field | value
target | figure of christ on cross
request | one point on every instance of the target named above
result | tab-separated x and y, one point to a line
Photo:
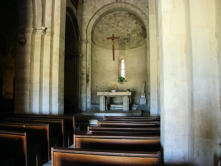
113	38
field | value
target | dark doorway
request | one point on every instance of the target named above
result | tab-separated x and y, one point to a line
8	38
71	64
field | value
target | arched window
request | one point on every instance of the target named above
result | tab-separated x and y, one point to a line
122	72
122	68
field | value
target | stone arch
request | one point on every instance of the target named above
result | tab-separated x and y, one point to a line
144	17
71	63
73	19
121	5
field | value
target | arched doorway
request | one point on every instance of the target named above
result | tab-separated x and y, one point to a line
71	64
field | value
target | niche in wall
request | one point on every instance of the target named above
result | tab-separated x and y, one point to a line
131	46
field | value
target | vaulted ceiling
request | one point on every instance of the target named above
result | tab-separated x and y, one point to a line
123	24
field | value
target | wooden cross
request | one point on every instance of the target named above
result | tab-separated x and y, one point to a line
113	38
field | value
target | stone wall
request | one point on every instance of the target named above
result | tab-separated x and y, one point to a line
105	71
206	81
190	81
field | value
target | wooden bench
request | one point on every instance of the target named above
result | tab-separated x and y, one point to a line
41	136
15	148
56	127
68	124
127	131
128	124
140	119
131	118
127	143
64	157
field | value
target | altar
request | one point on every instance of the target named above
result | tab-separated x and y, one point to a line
104	95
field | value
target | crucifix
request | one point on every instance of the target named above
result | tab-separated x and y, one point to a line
113	38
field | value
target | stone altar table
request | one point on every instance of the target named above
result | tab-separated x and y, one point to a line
103	101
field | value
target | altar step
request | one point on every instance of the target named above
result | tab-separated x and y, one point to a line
116	107
98	113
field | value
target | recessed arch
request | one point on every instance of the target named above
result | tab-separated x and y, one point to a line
86	99
71	63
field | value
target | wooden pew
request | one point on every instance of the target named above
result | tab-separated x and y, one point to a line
127	143
64	157
113	118
56	127
15	148
68	124
128	124
124	131
141	119
42	136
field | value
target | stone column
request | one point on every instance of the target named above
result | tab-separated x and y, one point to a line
46	57
126	103
206	84
153	64
23	57
102	103
40	57
35	71
175	81
57	59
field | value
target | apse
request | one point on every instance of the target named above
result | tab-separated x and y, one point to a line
119	45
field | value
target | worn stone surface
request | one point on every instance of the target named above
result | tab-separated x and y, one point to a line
190	81
105	71
123	24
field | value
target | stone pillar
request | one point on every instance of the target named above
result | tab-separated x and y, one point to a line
206	77
126	103
40	57
153	64
23	56
57	59
46	57
175	82
102	103
35	71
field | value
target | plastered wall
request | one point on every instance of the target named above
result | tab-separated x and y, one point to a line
190	81
105	71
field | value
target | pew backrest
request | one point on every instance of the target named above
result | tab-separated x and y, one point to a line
113	118
65	156
106	142
14	147
67	123
123	130
128	124
56	131
39	136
